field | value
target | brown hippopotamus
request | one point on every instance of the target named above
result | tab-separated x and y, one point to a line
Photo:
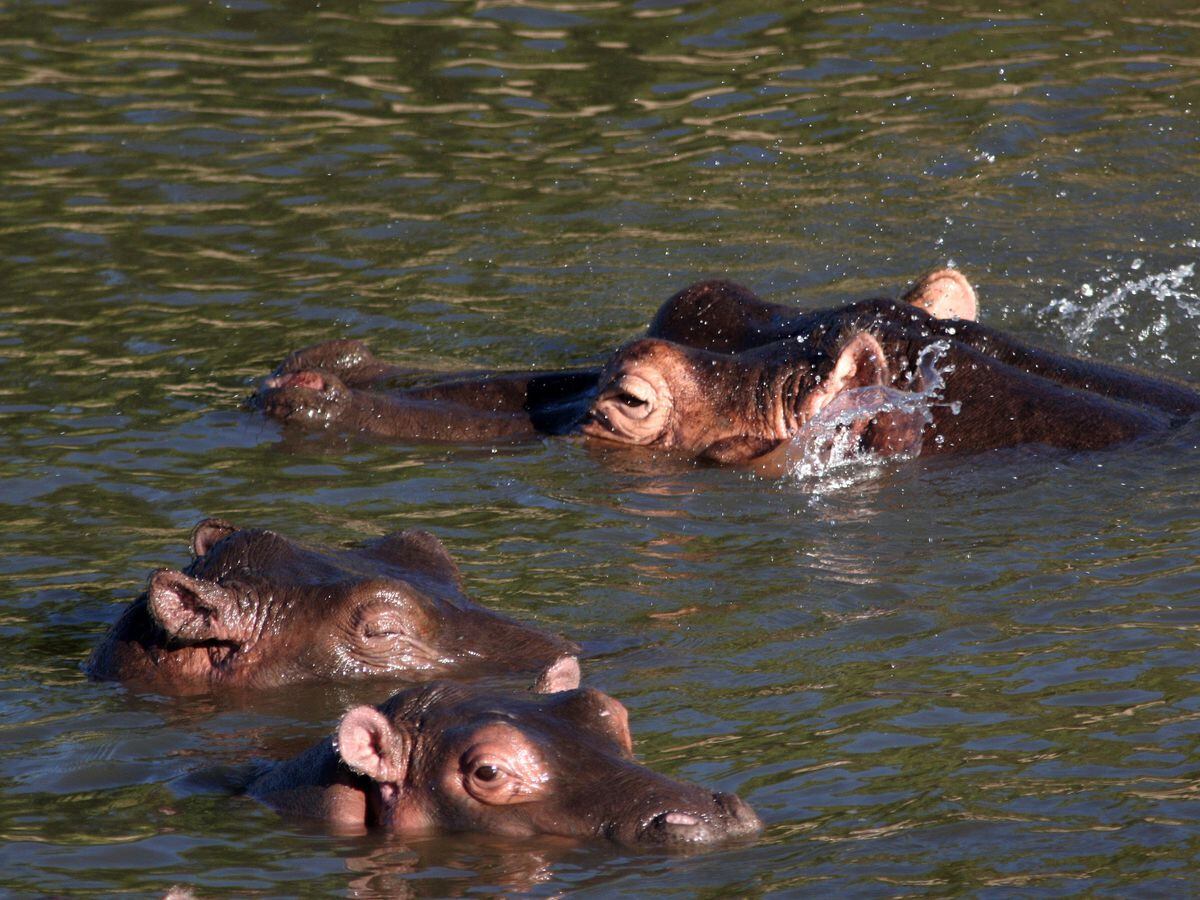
446	756
254	609
342	385
1046	397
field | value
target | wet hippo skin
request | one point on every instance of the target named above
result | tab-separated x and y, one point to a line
254	609
739	408
341	384
452	757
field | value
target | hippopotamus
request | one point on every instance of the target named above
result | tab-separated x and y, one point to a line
866	361
255	609
451	757
342	385
711	340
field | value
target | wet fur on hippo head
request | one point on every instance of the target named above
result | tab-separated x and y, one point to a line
453	757
256	609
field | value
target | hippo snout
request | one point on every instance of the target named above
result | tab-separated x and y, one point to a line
308	394
728	817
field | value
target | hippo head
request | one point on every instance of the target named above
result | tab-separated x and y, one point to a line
254	608
312	397
725	408
452	757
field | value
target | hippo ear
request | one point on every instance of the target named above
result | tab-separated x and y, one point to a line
599	713
207	533
945	294
369	744
561	675
860	363
190	609
417	551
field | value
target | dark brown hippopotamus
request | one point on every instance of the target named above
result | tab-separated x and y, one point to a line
451	757
866	361
254	609
722	338
341	385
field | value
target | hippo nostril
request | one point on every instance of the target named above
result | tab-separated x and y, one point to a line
678	818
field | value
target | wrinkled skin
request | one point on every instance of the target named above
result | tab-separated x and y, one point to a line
451	757
743	408
340	384
254	609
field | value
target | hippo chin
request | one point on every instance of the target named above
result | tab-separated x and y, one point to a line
255	609
451	757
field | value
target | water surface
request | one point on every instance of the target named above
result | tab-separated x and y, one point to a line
955	676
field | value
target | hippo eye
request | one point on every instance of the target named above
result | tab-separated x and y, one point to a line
631	400
487	773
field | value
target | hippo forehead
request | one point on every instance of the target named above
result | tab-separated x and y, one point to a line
266	557
455	711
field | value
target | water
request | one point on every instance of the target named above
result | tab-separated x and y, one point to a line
953	676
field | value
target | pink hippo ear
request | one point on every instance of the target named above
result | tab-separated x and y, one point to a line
189	609
945	294
599	713
560	675
207	533
369	744
861	363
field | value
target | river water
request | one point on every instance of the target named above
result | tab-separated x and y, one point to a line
972	675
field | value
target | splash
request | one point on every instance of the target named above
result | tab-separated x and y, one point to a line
827	452
1173	289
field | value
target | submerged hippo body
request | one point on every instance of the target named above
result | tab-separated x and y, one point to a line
255	609
451	757
1042	396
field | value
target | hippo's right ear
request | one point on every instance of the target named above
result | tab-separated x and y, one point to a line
945	294
560	675
418	551
207	533
369	744
860	363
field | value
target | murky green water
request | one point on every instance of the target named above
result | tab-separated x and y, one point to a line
974	676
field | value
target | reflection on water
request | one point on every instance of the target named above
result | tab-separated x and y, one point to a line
945	676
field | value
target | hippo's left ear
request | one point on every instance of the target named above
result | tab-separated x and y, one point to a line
207	533
560	675
418	551
369	744
945	294
861	363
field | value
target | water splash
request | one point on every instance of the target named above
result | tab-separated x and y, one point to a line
827	453
1173	289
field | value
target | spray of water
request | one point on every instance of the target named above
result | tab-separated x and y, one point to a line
827	452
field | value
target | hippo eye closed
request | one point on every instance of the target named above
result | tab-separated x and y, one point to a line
631	400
